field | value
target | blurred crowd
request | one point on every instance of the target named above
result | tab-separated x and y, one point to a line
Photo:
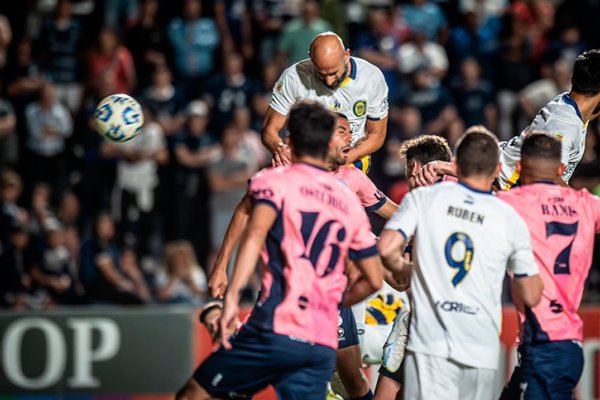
84	220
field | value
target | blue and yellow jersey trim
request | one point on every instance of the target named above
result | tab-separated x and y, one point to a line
364	164
383	309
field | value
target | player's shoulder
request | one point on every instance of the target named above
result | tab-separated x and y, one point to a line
300	70
267	174
364	66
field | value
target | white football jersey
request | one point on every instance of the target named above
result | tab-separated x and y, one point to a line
363	94
465	240
561	118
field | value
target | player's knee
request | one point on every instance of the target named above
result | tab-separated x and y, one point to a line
192	391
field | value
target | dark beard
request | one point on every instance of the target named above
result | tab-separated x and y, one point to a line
339	81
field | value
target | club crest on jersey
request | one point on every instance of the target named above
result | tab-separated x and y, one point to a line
278	87
359	109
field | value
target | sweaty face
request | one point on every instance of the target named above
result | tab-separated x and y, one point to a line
332	76
340	142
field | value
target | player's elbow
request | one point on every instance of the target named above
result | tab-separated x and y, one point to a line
531	289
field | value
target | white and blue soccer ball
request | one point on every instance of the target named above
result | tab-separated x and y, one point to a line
119	117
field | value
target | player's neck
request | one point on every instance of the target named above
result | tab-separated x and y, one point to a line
483	184
586	104
314	161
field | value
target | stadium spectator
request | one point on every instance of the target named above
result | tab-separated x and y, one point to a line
228	179
9	146
56	271
131	269
16	262
537	94
49	124
182	280
227	91
194	39
420	52
297	34
165	101
475	97
147	41
250	148
234	20
6	37
100	266
61	41
11	188
194	150
427	16
379	46
111	56
137	180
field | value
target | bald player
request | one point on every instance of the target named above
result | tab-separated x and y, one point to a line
344	84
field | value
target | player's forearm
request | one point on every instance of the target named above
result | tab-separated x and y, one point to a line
245	263
369	282
373	140
359	291
238	223
388	209
270	138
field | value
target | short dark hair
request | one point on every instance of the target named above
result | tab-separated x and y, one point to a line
310	126
541	145
425	148
341	115
477	153
586	73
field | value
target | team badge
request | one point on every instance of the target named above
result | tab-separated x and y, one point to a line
360	107
278	87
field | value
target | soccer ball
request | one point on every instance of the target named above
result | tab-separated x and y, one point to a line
119	117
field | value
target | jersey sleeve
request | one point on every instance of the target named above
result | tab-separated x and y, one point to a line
371	198
285	92
265	189
363	244
567	133
594	204
404	219
521	261
377	105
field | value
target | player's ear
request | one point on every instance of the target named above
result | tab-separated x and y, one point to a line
519	167
498	169
561	169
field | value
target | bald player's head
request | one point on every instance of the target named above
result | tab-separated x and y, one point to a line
330	59
540	158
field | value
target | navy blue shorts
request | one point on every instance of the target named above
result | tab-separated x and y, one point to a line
298	370
347	331
546	371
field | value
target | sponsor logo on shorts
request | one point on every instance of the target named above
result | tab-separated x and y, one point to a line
217	379
455	306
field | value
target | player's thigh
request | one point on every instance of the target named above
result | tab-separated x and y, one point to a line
477	383
539	376
430	378
347	330
192	391
387	388
245	369
309	380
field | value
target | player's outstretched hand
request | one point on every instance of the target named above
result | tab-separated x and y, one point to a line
428	174
217	282
282	156
228	323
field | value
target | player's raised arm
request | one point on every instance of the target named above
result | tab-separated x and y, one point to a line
527	285
274	122
261	220
217	281
376	131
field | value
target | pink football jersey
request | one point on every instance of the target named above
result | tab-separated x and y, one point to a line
319	222
371	198
562	223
